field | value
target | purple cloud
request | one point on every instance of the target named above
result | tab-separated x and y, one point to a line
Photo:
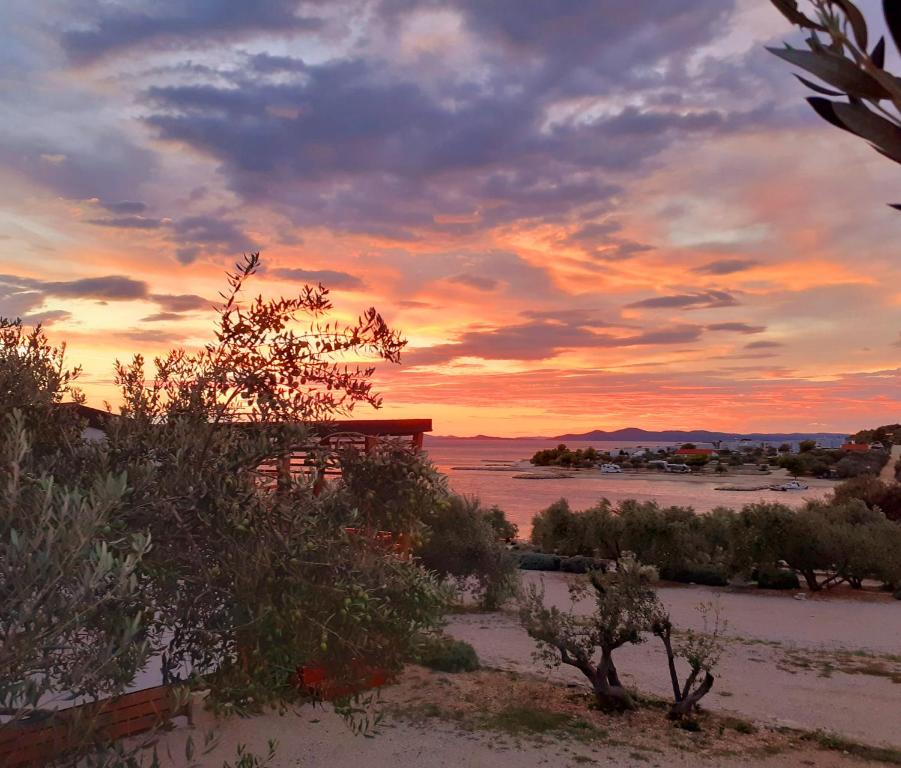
725	266
700	300
330	278
737	327
475	281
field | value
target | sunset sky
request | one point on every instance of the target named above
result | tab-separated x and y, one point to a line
590	214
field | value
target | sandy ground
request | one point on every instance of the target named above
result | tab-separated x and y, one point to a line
451	721
888	471
812	664
815	664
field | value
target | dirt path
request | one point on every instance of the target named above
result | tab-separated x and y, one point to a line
888	471
812	664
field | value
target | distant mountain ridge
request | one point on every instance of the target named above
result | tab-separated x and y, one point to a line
695	435
634	434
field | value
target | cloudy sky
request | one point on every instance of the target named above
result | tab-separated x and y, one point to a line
587	214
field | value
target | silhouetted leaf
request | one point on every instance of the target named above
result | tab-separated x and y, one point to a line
881	133
856	20
892	10
835	70
878	54
789	9
824	108
819	88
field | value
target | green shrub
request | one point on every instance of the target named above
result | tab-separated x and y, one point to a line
709	575
777	578
445	654
582	564
538	561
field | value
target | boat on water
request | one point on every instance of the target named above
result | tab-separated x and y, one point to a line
611	469
791	485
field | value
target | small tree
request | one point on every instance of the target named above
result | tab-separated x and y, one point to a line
699	650
625	609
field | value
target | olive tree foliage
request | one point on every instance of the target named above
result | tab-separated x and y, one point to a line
73	616
461	543
394	488
826	543
625	609
855	93
250	578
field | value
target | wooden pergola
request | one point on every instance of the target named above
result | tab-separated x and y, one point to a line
364	435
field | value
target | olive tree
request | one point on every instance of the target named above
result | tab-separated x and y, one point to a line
74	614
250	578
625	609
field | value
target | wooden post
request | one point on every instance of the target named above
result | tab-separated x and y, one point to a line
284	472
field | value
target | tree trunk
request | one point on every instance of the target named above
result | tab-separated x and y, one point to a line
609	692
811	578
686	707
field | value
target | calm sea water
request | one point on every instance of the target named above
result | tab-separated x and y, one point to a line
521	499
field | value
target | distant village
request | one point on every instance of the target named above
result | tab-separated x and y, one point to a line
838	458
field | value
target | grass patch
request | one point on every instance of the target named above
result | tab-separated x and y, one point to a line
738	725
528	720
833	743
854	663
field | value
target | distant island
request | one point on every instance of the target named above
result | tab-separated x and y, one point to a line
634	434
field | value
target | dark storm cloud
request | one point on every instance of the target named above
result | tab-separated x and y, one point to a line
167	23
701	300
478	282
725	266
328	277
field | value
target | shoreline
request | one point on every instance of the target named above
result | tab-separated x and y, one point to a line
739	481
